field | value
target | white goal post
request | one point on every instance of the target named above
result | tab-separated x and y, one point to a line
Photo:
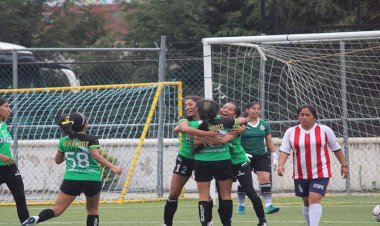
339	73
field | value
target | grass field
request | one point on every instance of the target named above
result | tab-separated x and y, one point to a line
337	211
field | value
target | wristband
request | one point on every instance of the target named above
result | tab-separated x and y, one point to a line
343	166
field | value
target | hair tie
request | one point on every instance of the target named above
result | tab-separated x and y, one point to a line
67	121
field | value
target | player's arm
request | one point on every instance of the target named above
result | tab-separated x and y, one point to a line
59	157
104	162
339	154
225	139
185	128
281	163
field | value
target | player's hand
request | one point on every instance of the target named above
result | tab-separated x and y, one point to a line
274	160
237	131
281	170
117	169
7	160
344	171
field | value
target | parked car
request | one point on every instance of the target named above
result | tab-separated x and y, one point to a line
32	74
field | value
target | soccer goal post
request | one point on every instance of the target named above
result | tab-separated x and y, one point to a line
339	73
133	122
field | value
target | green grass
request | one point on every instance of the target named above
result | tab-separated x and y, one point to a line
337	211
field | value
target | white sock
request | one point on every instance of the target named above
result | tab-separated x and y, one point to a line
315	213
241	198
306	215
267	199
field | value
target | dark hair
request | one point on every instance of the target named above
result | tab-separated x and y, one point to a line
72	123
207	110
311	109
193	98
3	101
248	106
252	103
237	109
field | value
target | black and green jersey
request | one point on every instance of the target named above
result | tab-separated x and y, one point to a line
187	143
253	138
5	142
79	163
218	152
237	152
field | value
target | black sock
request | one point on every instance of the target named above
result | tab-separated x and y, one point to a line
45	214
225	212
204	212
92	220
169	211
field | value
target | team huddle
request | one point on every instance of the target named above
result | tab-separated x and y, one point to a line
217	143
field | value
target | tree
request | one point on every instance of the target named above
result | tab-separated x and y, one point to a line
20	20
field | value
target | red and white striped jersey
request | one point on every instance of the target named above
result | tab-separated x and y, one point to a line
311	157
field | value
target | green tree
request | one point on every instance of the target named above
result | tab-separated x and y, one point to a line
72	25
20	20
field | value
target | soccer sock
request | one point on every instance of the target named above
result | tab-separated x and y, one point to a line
92	220
169	211
240	196
225	212
204	212
211	205
306	215
315	213
266	191
45	214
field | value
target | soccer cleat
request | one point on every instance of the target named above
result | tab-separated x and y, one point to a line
271	209
211	223
30	221
241	210
263	224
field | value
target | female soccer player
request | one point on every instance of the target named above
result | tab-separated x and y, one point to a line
185	160
252	140
214	162
240	164
309	142
81	152
9	173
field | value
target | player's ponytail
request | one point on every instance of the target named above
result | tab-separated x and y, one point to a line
207	110
66	125
71	124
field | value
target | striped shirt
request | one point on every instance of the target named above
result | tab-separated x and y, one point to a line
311	157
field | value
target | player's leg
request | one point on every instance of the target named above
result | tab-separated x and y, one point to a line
15	184
223	174
203	177
301	189
181	174
262	168
92	190
244	176
317	189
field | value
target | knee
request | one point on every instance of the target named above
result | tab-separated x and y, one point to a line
174	194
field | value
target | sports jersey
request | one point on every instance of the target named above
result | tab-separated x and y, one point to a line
187	144
79	163
5	142
217	152
252	139
237	152
311	157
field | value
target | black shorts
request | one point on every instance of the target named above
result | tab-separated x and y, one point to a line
207	170
261	163
184	166
9	173
76	187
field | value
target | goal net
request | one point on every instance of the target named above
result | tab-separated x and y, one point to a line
133	122
339	73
